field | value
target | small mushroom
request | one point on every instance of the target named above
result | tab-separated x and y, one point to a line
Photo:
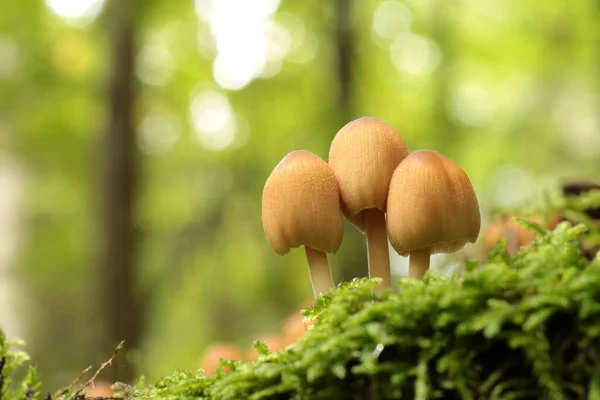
516	234
301	207
273	342
296	325
432	208
101	389
364	155
210	361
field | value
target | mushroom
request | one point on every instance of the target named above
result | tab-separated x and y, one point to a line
101	389
364	155
296	325
301	207
432	208
273	342
210	361
516	234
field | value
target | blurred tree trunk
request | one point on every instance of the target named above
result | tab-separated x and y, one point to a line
344	48
352	263
117	267
442	32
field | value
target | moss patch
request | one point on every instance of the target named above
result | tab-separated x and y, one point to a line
521	327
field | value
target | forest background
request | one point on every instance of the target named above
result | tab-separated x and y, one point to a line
136	136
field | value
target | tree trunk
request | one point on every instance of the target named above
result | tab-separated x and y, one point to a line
117	268
351	262
344	47
442	31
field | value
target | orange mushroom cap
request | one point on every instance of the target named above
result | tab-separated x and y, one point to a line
364	155
431	204
301	205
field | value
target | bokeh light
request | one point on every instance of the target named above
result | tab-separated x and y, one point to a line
77	12
9	56
472	105
213	119
155	62
72	55
512	187
414	54
158	134
246	39
390	19
304	43
577	119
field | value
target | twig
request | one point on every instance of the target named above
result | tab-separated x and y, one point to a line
104	365
67	388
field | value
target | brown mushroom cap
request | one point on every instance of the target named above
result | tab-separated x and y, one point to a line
301	205
431	204
364	155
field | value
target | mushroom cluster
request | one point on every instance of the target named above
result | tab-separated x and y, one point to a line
422	202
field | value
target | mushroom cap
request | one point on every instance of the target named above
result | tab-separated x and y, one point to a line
301	205
364	155
431	204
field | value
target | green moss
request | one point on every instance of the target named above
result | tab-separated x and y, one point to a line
521	327
11	358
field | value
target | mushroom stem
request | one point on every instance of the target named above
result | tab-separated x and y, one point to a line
320	273
377	247
418	264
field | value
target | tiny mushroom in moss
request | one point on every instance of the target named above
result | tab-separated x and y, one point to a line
516	234
101	389
296	325
364	155
210	361
301	207
274	343
432	208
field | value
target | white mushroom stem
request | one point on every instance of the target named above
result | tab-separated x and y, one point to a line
377	247
418	264
320	273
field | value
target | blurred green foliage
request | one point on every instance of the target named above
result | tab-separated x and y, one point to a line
507	89
11	359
